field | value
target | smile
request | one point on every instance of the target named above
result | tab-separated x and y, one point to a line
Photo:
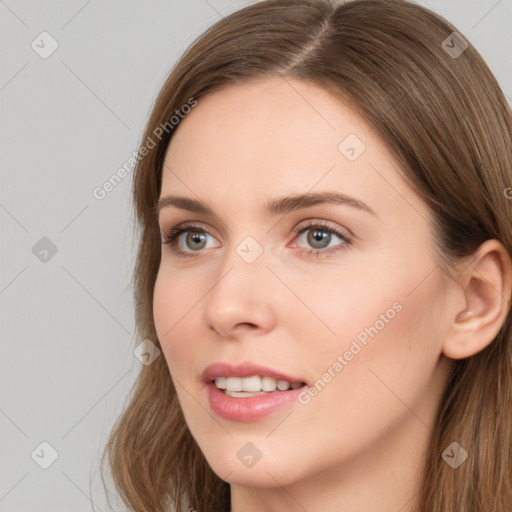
253	386
248	392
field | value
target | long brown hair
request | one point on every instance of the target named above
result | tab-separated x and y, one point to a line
447	122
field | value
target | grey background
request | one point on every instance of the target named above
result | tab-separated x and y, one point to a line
68	123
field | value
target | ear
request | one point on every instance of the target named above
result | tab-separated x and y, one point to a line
483	302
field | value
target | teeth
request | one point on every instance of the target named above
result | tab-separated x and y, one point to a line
251	383
254	385
234	384
243	394
282	385
221	382
268	384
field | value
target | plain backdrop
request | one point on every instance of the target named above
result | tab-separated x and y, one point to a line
69	120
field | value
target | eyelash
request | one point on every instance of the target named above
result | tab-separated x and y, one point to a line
172	237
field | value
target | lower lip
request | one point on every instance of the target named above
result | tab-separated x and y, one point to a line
249	408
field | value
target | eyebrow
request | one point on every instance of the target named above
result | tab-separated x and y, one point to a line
277	206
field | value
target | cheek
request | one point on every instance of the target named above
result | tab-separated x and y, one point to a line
376	314
173	308
387	355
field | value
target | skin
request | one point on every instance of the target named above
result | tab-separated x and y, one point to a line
361	441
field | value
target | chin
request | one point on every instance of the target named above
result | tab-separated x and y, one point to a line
250	463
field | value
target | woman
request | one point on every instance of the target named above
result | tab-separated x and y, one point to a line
325	265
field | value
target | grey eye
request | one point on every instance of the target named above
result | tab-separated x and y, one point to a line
317	238
195	240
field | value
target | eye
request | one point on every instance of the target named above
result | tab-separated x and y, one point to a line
195	240
319	235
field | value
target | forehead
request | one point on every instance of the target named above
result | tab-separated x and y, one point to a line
274	113
275	125
272	137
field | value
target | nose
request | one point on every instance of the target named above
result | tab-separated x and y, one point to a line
240	300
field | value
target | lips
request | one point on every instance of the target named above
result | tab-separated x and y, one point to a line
247	407
245	370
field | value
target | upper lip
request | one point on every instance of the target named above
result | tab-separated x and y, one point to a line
247	369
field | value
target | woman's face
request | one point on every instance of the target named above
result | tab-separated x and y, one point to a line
341	299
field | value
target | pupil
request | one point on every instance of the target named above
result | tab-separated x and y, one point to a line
196	238
318	236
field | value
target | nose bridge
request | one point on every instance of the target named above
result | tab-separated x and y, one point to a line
244	263
239	294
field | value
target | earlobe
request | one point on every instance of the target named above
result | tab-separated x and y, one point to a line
487	285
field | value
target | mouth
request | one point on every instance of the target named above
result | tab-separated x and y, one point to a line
248	392
254	385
